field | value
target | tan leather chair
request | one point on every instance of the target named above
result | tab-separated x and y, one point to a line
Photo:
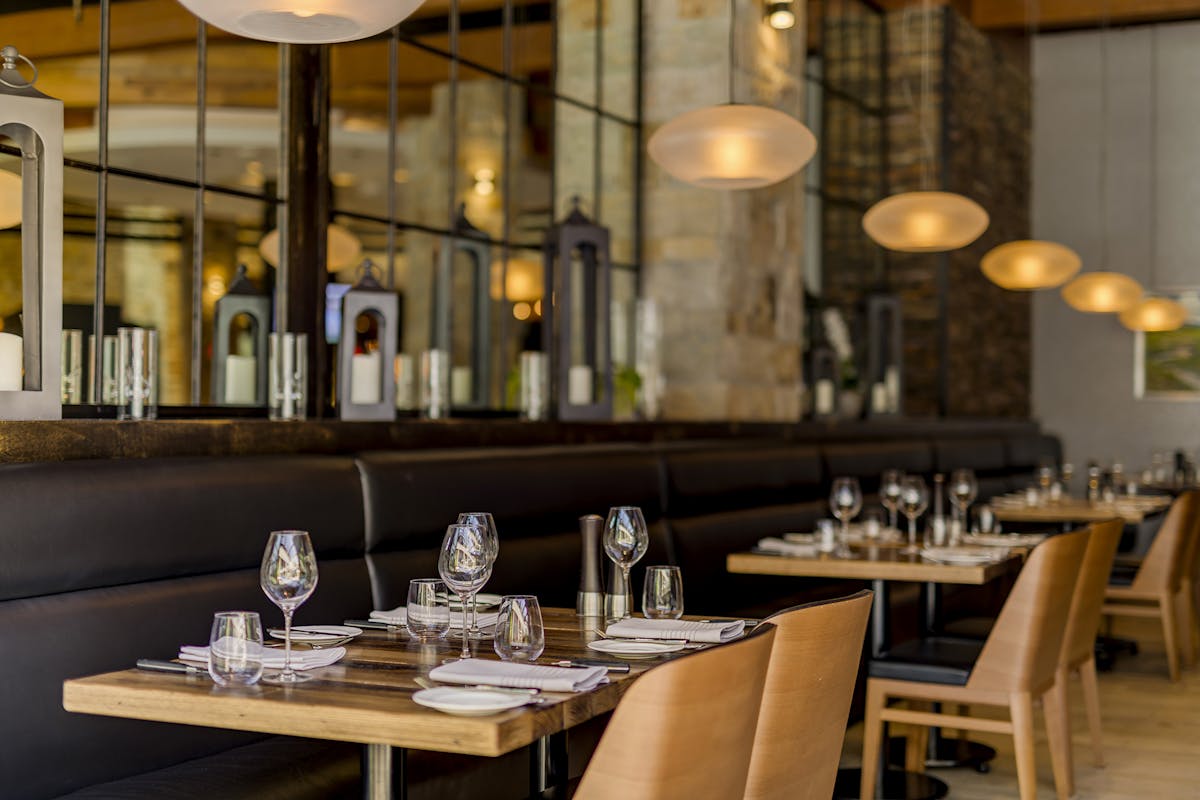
685	729
806	702
1189	595
1015	667
1159	581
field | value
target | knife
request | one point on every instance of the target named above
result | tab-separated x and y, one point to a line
611	666
151	665
370	624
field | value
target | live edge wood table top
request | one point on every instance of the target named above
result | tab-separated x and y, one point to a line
871	564
366	698
1074	509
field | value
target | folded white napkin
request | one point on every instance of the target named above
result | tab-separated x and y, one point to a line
520	676
273	657
397	616
773	545
634	628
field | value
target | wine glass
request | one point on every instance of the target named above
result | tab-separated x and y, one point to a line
845	501
626	539
914	499
1067	471
963	490
890	485
235	648
465	565
484	520
288	577
520	635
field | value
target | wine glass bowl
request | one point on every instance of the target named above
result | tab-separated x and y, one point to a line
845	501
465	564
288	577
626	538
964	488
914	499
484	520
890	485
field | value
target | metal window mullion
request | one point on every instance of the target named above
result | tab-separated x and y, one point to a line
393	121
597	120
283	184
101	205
507	48
198	219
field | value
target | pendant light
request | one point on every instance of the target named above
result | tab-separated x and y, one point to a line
733	145
1103	292
303	21
1029	264
925	221
342	248
1154	313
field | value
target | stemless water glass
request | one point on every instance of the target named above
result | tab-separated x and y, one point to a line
890	484
914	499
662	593
626	538
963	490
519	632
845	501
288	578
235	648
484	520
427	614
465	565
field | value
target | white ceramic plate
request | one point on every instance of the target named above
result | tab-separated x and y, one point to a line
618	647
468	702
317	633
964	555
484	601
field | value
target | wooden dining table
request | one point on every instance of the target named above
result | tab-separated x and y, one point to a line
366	698
1078	510
882	565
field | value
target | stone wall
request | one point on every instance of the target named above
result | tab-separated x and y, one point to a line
726	268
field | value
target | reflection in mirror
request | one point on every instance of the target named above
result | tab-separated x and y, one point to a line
11	284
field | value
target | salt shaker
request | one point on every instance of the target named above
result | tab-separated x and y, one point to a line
589	602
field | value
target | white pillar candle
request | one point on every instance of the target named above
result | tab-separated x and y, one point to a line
880	403
619	321
891	380
461	386
241	380
579	386
366	379
406	382
12	363
823	399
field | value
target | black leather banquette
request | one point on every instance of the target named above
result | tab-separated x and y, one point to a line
103	562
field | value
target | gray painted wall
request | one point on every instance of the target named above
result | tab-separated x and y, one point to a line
1083	364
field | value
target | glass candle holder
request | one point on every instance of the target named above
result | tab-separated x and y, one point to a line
535	386
435	384
137	374
287	379
72	367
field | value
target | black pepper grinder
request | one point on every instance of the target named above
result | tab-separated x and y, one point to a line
590	600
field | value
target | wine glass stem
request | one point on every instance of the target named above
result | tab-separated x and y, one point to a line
466	650
474	613
892	518
912	531
287	645
628	594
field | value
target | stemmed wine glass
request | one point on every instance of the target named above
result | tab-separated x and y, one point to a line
914	499
890	485
288	577
963	490
845	501
626	540
465	564
484	520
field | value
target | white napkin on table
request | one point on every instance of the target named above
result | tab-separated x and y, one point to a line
397	616
784	548
520	676
714	632
273	657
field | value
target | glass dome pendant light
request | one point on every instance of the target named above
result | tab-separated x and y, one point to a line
925	221
1154	314
1030	264
303	21
1104	291
732	145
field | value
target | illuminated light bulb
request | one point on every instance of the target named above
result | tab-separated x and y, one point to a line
925	222
1030	264
522	311
1102	293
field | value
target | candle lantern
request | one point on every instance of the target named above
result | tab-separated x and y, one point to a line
470	374
885	355
31	365
239	363
576	319
370	327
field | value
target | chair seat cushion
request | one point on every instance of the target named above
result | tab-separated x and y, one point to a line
934	659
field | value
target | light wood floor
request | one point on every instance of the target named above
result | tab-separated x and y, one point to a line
1151	730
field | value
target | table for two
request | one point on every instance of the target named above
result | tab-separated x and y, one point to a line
367	699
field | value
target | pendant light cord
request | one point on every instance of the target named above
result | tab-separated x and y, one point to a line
732	46
1103	171
1153	204
926	88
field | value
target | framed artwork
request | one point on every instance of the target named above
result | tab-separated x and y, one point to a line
1167	363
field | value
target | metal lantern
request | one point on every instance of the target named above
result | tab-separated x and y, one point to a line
885	355
578	276
31	365
469	382
240	378
367	349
